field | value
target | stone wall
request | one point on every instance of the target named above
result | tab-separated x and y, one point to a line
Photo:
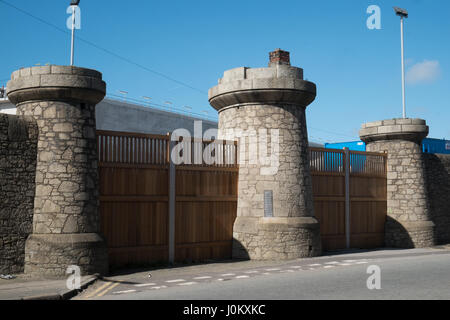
291	184
62	101
264	108
408	209
437	178
409	223
291	180
66	177
18	147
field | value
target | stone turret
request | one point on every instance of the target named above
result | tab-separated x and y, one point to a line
264	108
409	224
62	100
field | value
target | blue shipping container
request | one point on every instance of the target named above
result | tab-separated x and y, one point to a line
353	146
436	146
429	146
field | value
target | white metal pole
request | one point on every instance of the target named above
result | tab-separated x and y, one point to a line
403	69
73	37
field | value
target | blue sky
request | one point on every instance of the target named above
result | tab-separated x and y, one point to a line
357	70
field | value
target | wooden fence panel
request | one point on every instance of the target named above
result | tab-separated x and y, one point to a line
367	220
328	179
206	201
368	199
134	199
134	214
331	215
367	196
204	230
136	232
206	206
133	172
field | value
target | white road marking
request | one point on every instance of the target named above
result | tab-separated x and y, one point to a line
328	267
362	262
251	272
274	269
220	279
345	264
346	261
242	277
145	285
187	284
203	278
175	281
228	275
332	262
296	267
123	292
266	273
157	288
287	271
315	265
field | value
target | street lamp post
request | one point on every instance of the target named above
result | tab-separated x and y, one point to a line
403	14
73	4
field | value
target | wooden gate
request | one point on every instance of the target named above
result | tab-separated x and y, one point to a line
153	211
350	197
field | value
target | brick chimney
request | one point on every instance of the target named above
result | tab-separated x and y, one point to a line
278	57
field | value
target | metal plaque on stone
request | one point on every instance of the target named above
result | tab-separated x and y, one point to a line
268	204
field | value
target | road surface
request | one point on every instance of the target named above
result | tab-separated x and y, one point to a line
404	274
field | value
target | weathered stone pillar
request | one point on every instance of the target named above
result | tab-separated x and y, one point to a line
65	222
408	224
275	215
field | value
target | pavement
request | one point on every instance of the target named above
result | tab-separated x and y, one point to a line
244	280
27	288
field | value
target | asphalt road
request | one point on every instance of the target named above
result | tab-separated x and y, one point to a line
422	275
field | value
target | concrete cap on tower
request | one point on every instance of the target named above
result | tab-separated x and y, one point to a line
280	83
56	83
394	129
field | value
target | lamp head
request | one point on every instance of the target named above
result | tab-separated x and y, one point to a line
401	12
75	2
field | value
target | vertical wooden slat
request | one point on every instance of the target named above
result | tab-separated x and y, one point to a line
167	160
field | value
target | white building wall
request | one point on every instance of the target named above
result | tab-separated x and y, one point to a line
122	116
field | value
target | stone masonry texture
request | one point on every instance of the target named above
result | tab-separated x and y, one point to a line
409	223
66	221
437	181
253	103
18	147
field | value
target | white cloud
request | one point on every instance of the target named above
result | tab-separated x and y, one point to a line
423	72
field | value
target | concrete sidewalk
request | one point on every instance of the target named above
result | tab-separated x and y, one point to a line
26	288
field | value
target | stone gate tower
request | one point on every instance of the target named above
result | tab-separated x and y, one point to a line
264	109
409	224
62	100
